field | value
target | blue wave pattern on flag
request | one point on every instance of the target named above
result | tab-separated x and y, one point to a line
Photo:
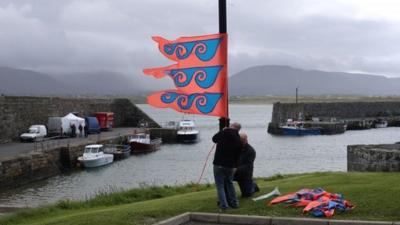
205	77
205	50
204	102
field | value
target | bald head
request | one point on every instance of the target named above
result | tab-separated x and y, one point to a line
243	138
236	126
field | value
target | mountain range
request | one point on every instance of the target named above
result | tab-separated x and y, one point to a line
256	81
283	80
29	82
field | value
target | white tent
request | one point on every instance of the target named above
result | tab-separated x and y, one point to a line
69	120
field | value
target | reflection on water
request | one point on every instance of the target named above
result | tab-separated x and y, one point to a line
182	163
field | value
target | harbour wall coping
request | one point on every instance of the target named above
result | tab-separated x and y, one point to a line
191	218
17	113
373	158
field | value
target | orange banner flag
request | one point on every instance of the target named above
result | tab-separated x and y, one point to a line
200	75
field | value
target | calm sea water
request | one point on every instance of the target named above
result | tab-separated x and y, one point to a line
182	163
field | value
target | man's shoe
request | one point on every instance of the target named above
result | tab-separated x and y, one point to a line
234	206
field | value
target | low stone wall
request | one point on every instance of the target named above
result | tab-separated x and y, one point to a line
17	113
226	219
373	158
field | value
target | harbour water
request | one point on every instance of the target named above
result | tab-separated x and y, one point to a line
182	163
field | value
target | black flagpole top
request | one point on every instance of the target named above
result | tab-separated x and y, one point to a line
222	16
223	122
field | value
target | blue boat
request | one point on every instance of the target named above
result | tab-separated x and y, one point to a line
297	129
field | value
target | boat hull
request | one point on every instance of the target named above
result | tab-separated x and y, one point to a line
187	138
96	162
300	131
140	148
119	151
381	124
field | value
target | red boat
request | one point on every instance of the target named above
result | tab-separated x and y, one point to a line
141	143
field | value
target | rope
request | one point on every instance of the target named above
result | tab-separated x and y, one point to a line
205	164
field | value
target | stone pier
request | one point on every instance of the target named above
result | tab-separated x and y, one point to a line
356	115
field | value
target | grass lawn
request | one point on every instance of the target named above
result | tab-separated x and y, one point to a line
376	196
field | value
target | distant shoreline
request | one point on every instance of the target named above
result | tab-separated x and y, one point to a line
142	99
267	100
322	98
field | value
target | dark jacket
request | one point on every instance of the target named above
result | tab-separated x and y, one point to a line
246	164
228	148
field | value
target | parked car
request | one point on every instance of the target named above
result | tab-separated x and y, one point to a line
34	133
93	126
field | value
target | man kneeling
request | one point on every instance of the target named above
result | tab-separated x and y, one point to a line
244	172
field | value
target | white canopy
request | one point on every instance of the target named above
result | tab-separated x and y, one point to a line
69	120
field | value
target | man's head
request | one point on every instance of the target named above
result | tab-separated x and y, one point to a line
236	126
243	138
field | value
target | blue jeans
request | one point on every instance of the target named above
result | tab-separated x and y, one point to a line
223	177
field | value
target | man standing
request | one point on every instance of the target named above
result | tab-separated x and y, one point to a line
80	128
225	161
244	172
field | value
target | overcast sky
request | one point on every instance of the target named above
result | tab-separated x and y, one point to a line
79	35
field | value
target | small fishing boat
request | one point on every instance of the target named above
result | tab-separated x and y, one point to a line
380	123
94	156
298	128
187	132
119	151
141	143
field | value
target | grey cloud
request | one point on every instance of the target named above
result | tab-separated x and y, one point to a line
64	36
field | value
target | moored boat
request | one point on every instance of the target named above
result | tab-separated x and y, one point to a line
141	143
119	151
187	132
297	128
94	156
380	123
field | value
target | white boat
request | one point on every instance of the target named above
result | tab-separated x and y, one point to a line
187	132
381	123
94	156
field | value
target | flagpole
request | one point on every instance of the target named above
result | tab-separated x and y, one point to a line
224	122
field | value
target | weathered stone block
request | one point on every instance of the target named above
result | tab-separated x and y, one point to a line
244	220
297	221
204	217
177	220
356	222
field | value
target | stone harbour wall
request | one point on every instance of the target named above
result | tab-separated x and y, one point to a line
26	168
373	158
340	110
17	113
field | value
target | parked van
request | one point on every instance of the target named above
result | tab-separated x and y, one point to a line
106	120
34	133
93	126
54	126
